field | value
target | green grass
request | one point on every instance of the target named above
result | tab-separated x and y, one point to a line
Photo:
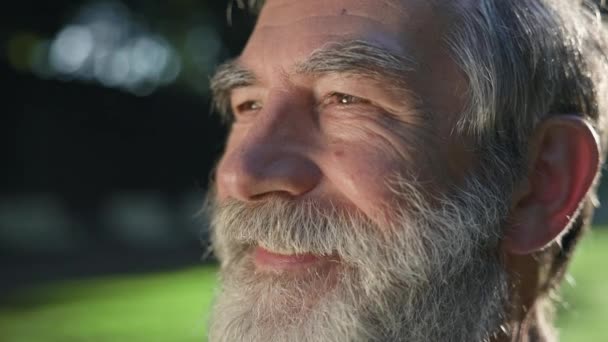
161	307
583	314
174	306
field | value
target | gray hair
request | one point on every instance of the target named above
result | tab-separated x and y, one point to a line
526	60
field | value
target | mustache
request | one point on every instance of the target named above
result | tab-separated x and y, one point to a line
433	253
378	255
422	231
292	227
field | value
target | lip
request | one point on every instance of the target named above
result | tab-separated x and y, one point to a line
266	259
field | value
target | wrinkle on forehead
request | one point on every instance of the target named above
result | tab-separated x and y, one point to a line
308	24
391	13
266	57
416	27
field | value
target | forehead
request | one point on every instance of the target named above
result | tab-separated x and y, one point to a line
289	30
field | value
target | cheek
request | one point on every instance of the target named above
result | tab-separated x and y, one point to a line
365	155
381	134
220	191
379	145
360	174
233	142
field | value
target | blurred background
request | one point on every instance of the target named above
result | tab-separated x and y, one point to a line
108	141
107	133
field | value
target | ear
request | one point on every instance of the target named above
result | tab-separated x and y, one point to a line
563	162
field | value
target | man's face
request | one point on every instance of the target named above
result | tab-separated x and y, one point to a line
337	215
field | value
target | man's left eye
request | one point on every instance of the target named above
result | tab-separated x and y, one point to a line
344	99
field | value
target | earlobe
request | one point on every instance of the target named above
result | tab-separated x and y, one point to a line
563	163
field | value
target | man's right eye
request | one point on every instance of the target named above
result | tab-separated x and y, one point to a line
247	107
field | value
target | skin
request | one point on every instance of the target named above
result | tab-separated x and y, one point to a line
293	137
341	153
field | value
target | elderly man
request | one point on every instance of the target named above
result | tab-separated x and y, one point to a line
406	170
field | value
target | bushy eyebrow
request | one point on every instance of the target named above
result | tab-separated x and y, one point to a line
350	58
358	58
229	76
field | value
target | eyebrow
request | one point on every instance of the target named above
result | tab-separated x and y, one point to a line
351	58
229	76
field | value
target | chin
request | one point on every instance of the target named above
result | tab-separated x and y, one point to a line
343	304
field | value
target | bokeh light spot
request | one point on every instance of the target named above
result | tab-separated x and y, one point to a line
71	49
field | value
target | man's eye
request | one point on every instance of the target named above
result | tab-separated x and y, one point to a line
247	107
344	99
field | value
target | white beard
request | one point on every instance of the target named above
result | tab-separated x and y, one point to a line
434	275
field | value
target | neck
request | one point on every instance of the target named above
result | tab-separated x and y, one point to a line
531	311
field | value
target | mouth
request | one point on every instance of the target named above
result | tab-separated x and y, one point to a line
268	260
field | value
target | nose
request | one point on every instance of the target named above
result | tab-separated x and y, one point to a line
269	157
